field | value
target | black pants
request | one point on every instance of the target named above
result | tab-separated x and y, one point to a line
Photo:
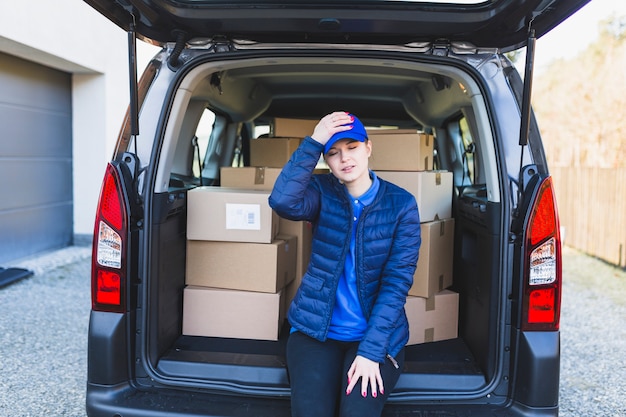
318	376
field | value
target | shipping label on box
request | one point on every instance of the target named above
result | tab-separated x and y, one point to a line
251	178
243	216
433	319
295	128
232	215
272	152
434	266
215	312
401	151
261	267
432	190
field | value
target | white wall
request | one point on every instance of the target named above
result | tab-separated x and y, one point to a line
70	36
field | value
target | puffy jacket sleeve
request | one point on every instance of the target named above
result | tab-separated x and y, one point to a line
295	195
396	280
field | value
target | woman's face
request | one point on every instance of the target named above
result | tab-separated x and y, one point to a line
348	160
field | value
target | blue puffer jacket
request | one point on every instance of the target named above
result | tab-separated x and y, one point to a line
387	247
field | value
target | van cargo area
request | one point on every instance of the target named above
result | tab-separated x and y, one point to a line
465	363
193	272
218	289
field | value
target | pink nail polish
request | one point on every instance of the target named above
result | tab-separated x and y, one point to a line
364	394
374	394
348	391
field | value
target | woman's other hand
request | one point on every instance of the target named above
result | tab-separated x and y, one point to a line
368	372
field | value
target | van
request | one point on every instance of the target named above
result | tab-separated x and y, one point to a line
191	272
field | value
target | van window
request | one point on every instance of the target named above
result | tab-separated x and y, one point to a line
203	134
461	152
467	151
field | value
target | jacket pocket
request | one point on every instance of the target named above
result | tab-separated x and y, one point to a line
314	283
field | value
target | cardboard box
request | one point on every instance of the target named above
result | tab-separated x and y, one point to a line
215	312
290	292
434	266
401	151
252	178
432	190
304	231
272	152
433	319
386	131
294	128
228	214
261	267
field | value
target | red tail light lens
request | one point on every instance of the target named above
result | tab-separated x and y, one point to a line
110	203
542	287
108	272
108	288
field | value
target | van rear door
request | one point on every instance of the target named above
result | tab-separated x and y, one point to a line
501	24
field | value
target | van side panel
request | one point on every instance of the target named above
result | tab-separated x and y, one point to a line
167	270
477	276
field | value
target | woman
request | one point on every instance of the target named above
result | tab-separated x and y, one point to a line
348	322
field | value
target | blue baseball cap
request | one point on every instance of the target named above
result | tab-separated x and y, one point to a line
356	133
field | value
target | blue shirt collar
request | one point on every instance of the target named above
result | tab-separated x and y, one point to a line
367	197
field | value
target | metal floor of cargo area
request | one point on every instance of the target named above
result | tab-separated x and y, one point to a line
432	367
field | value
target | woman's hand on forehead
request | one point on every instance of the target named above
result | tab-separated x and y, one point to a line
330	124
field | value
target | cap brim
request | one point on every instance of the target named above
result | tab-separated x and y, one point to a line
341	136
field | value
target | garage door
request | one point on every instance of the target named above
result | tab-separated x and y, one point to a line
35	159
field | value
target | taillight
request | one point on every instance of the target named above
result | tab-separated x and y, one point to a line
542	286
108	269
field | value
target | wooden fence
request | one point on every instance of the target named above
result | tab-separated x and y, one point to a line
592	210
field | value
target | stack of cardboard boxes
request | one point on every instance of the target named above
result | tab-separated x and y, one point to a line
237	265
244	264
241	257
405	158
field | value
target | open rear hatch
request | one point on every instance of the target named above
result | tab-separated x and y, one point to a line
501	24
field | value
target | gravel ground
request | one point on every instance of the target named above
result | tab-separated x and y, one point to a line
44	321
593	338
43	337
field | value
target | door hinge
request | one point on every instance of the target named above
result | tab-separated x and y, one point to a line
216	44
441	48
